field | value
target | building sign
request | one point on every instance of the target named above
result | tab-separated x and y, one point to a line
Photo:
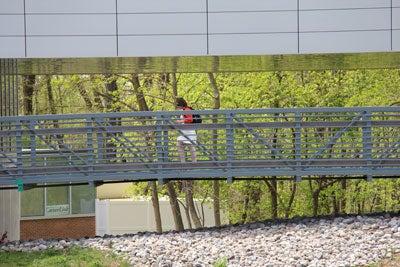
57	210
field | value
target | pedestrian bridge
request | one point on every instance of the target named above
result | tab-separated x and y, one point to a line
291	144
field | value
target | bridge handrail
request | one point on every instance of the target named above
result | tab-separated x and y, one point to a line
289	143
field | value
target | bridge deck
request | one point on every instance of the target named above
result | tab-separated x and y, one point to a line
284	143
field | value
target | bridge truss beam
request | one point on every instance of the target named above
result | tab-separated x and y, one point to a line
304	143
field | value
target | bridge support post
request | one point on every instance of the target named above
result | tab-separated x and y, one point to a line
367	142
20	184
230	146
297	144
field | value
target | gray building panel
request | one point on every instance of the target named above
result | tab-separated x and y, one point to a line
251	5
70	6
160	45
14	25
12	47
170	23
343	4
71	24
345	20
109	28
240	44
157	6
362	41
71	46
252	22
11	6
396	40
396	18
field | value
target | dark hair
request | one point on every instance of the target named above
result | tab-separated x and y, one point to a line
181	102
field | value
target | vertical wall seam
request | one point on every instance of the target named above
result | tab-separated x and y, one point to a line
25	41
207	33
391	25
116	27
298	26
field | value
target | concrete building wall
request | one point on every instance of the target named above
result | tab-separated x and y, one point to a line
10	213
133	28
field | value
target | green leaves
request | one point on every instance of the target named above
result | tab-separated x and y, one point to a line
244	201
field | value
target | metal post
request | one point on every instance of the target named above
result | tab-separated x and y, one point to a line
367	143
297	143
230	146
90	149
18	148
161	147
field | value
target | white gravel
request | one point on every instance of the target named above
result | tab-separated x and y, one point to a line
322	241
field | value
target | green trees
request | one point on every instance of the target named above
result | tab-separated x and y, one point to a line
242	201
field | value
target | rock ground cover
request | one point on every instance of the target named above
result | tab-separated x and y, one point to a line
348	240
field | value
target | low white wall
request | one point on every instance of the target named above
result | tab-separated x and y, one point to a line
125	216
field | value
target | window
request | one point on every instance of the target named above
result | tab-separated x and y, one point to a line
32	202
83	197
58	201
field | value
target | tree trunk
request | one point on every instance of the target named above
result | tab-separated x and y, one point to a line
156	206
173	198
190	203
273	185
216	185
50	96
111	88
321	185
216	203
273	190
343	186
53	110
139	93
315	201
291	200
28	90
187	213
85	96
176	212
154	192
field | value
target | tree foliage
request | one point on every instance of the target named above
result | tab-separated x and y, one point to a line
242	201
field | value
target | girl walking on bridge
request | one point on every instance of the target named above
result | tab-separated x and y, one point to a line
187	137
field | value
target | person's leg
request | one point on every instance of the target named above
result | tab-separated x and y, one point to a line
193	153
181	151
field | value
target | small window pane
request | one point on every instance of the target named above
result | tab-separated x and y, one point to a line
83	197
32	202
57	201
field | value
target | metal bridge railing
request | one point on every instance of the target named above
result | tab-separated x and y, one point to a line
285	143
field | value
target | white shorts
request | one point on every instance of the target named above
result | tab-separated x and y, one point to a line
188	137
